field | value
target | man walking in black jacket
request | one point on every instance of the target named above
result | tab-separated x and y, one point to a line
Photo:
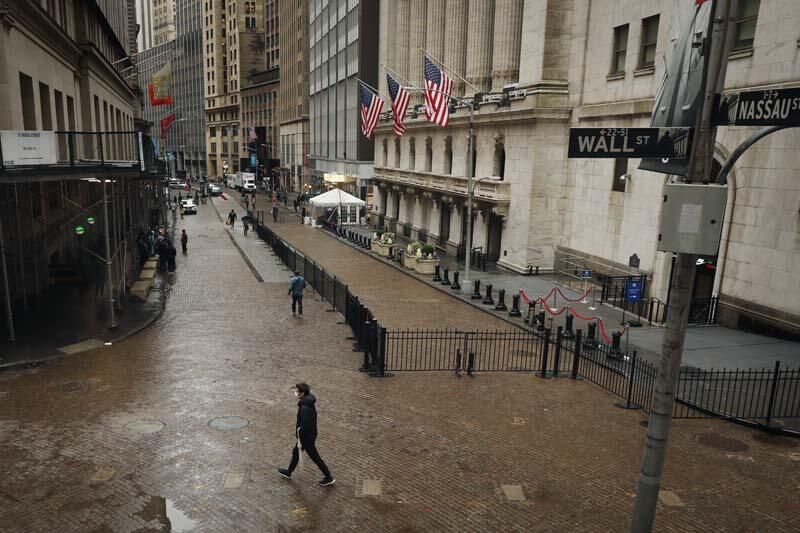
306	434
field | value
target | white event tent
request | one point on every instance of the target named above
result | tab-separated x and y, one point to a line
346	204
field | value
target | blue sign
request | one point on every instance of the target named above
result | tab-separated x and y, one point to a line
586	274
253	161
633	290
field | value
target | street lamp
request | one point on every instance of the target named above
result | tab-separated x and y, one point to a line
470	194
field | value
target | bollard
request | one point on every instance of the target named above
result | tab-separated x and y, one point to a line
458	363
515	306
455	286
616	337
471	365
540	321
446	278
576	354
369	243
436	276
501	301
590	334
488	300
545	349
557	355
568	333
529	316
536	273
476	292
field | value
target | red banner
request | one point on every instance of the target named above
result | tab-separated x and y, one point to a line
166	122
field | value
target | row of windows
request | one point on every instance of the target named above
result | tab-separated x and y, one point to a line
745	29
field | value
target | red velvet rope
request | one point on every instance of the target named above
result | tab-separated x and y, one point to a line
587	293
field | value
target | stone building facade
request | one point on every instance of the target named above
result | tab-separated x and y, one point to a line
543	66
293	93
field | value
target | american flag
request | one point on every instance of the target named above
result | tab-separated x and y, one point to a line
437	105
400	98
371	107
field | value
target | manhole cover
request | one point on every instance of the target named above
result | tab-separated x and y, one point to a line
775	440
721	442
70	386
145	426
228	423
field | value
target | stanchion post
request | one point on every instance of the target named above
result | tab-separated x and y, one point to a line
557	355
545	349
576	354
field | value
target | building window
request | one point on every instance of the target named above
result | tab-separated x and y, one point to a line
397	153
28	105
647	52
619	50
448	156
412	153
428	154
386	152
213	148
620	171
44	101
746	24
499	161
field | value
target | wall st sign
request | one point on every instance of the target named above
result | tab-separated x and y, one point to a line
659	143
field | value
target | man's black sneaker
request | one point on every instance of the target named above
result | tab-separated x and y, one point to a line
327	481
285	473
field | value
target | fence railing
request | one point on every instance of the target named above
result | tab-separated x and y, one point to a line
80	149
369	336
758	395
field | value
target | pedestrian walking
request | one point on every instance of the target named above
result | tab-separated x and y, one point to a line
296	285
275	213
184	241
181	211
306	435
232	218
295	206
171	253
246	226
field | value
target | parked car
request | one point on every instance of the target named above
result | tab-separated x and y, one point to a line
214	189
189	207
174	184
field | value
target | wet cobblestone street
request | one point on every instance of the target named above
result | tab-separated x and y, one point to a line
121	438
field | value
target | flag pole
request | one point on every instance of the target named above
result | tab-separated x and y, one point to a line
451	71
398	76
373	89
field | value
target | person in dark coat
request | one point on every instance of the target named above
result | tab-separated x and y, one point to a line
171	253
184	240
306	435
297	284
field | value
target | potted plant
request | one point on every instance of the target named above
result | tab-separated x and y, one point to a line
386	244
376	238
410	257
426	260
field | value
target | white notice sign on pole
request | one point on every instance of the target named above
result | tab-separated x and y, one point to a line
24	148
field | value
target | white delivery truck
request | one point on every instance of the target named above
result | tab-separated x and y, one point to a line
245	181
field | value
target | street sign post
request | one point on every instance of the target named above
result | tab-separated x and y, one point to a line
770	107
586	274
633	293
661	143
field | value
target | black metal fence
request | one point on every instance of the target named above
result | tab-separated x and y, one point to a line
368	336
756	395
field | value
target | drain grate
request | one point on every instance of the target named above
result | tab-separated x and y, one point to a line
229	423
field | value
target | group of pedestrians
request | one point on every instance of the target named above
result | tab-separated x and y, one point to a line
166	253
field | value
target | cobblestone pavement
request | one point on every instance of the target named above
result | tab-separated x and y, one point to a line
119	439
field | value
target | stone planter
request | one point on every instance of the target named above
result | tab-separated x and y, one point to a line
374	246
384	250
410	261
426	266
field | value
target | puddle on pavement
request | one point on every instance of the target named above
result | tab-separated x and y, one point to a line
165	513
721	442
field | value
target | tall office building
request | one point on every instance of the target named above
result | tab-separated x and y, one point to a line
234	48
185	139
163	21
343	48
144	18
293	94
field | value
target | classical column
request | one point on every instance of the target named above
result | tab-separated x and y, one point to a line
416	40
434	40
403	13
416	220
505	59
480	25
456	221
377	207
433	222
455	40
